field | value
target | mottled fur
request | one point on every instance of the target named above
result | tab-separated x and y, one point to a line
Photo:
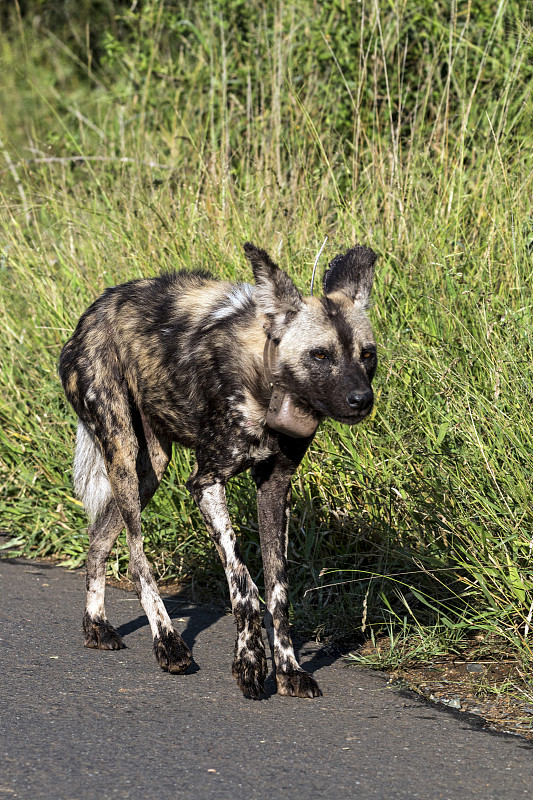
179	358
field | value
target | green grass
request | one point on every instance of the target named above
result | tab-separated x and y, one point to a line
171	140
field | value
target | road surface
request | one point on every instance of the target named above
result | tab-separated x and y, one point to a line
77	723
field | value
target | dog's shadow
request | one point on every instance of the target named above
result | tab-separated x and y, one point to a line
198	618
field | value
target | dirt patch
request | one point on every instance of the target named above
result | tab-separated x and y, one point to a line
495	692
494	686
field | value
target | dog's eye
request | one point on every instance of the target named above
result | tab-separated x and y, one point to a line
319	355
366	354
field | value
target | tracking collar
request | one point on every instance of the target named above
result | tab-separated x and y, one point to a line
284	414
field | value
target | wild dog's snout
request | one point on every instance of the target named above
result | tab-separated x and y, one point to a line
360	401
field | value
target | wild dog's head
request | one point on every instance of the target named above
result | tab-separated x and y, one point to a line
325	349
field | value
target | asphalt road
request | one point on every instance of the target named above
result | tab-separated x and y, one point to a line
79	723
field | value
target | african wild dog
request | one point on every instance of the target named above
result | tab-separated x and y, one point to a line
243	374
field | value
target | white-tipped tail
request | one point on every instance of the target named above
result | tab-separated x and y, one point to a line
90	477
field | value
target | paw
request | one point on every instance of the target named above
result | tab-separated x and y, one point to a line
171	652
99	634
293	683
250	670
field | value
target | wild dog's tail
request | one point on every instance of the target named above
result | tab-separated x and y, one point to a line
91	483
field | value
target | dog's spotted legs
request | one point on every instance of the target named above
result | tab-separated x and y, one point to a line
151	462
273	480
99	633
134	465
249	664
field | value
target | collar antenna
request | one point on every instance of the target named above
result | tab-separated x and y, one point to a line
316	262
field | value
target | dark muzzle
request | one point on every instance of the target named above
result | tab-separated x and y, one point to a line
360	401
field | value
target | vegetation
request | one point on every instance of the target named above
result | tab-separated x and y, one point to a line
148	136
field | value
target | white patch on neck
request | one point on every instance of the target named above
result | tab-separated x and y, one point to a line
233	302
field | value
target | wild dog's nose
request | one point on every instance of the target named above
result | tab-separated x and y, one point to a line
360	401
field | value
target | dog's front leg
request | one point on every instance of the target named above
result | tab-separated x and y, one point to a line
249	663
273	480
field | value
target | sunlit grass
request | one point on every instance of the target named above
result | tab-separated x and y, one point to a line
422	515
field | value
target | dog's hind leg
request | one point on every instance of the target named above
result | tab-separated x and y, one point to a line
135	460
99	633
170	650
249	663
94	488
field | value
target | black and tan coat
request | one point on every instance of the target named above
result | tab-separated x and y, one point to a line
182	358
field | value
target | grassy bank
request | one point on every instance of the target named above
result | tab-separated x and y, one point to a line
135	142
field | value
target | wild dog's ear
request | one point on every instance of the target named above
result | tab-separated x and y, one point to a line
275	294
352	273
